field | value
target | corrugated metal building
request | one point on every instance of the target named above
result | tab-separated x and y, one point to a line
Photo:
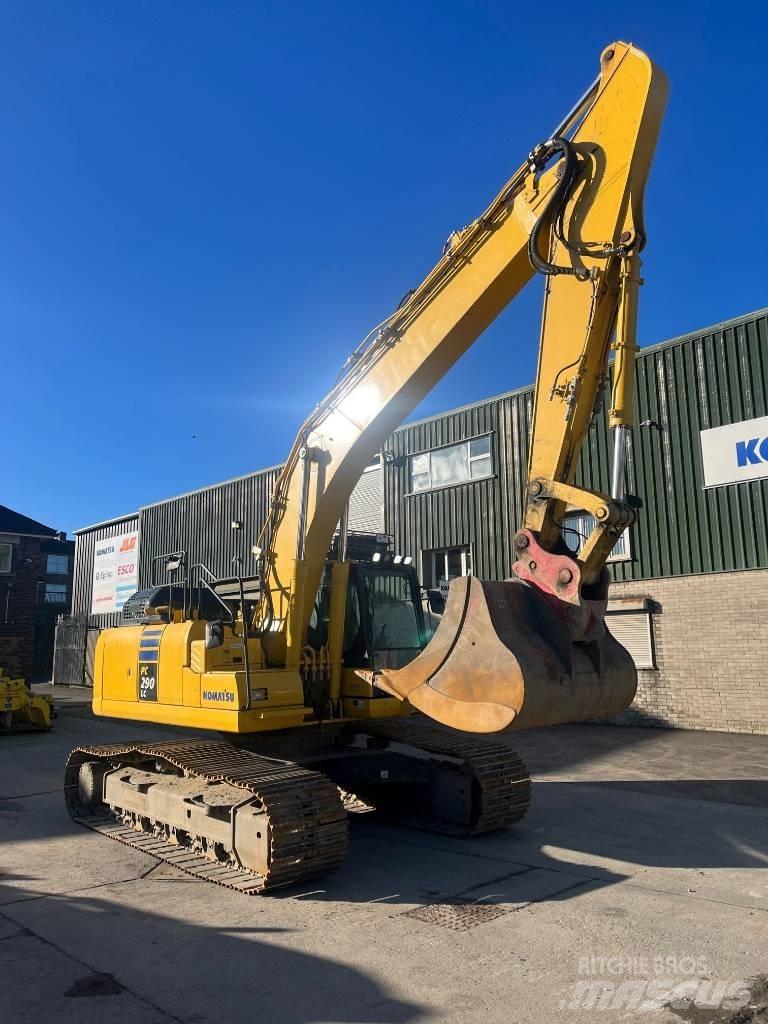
690	384
690	577
690	597
214	525
88	540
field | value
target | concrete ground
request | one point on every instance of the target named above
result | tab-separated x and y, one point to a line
639	879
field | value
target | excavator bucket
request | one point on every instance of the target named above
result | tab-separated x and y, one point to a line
503	657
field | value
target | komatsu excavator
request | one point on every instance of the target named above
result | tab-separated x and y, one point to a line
306	675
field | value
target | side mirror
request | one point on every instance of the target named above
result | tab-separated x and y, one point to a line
214	634
436	602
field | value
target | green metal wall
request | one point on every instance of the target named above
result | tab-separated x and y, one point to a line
708	379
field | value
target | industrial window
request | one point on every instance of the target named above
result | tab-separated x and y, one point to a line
455	464
577	526
57	564
633	630
6	557
439	567
55	593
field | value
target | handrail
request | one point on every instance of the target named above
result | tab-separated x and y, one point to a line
220	599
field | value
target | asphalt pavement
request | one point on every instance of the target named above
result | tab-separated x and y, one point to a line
636	889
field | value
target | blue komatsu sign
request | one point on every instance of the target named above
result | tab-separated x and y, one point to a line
752	452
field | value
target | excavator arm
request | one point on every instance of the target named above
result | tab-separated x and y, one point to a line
573	213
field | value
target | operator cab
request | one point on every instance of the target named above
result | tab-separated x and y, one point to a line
384	622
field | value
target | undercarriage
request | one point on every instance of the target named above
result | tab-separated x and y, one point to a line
254	821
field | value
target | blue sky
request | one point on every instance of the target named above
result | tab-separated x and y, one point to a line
206	205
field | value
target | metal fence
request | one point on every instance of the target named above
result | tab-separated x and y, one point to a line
73	651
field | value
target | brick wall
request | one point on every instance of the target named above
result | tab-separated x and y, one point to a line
18	600
47	613
711	636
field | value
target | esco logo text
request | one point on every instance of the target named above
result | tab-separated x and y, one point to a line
752	452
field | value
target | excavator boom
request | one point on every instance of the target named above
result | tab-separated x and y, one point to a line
573	213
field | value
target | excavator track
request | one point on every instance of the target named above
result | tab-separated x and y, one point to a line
501	785
306	822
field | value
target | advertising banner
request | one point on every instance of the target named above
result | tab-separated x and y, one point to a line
115	572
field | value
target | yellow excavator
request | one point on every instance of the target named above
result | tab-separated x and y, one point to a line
307	676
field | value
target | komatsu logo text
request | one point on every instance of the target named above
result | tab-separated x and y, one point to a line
735	452
225	695
752	452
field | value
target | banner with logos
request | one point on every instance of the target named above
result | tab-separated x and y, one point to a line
115	572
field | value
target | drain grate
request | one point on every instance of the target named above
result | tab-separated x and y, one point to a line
461	915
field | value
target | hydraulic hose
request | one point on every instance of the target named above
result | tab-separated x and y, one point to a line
554	213
555	207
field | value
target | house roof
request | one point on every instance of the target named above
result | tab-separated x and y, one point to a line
15	522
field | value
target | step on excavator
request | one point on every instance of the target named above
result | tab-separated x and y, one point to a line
311	680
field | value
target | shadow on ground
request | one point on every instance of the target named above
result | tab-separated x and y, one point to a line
179	970
606	816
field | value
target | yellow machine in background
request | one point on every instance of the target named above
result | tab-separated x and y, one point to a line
310	668
21	709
